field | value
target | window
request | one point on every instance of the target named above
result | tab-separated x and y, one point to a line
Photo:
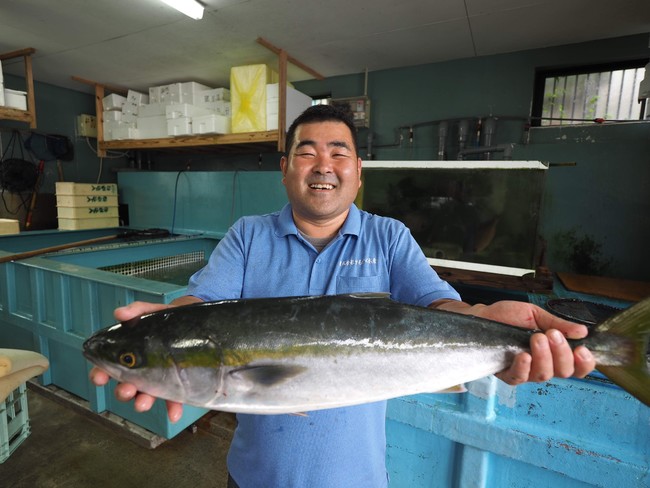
588	94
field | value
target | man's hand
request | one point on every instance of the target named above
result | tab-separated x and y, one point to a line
126	391
550	353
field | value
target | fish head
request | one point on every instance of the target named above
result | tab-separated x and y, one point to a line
131	354
157	364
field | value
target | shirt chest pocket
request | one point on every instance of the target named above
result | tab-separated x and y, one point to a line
360	284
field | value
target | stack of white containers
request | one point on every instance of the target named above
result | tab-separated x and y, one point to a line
178	109
11	98
86	205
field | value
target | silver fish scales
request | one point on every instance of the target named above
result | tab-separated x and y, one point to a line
296	354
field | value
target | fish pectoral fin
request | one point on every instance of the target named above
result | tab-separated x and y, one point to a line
267	374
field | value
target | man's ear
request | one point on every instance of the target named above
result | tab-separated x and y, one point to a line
284	162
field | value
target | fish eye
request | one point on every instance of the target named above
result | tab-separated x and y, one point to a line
128	359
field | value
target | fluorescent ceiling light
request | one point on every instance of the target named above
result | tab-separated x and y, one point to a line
191	8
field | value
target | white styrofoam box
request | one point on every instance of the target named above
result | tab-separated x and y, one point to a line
211	124
180	126
72	188
113	102
2	94
152	127
114	129
1	75
134	100
86	212
125	132
297	103
15	99
111	115
221	107
188	92
176	110
129	118
151	110
214	95
9	226
74	224
86	200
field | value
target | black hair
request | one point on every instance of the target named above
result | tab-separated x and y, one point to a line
322	113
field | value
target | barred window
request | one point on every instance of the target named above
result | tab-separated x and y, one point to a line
589	94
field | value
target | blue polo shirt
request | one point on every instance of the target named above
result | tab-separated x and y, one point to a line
265	256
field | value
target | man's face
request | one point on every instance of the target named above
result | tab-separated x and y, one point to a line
322	174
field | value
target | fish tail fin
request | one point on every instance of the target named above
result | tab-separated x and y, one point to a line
633	324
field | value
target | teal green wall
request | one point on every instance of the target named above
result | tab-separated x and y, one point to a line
56	112
596	214
597	209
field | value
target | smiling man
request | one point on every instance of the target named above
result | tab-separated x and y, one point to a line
320	243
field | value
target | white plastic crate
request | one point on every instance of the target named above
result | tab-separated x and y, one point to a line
86	200
97	212
9	226
71	188
76	224
14	422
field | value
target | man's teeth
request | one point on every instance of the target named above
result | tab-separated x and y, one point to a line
321	186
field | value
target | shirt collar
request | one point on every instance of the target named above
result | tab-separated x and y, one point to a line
286	225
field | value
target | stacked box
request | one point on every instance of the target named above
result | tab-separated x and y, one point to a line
248	96
211	124
14	422
86	205
15	99
114	126
188	92
296	103
9	226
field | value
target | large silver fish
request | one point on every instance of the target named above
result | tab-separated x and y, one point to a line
289	355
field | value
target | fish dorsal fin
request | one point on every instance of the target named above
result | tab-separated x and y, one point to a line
267	374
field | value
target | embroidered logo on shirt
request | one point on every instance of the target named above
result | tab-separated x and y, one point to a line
358	262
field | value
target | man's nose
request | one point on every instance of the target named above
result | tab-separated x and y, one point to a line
323	163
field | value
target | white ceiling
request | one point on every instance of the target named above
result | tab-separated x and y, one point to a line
142	43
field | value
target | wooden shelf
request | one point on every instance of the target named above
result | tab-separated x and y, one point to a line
28	115
243	142
252	141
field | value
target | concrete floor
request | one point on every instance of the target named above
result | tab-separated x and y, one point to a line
68	448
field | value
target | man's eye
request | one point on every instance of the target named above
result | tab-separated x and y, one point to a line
305	155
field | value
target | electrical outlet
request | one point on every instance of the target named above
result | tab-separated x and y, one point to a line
86	125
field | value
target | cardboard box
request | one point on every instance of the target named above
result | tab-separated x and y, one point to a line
248	96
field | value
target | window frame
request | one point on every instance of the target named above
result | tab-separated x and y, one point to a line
541	74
